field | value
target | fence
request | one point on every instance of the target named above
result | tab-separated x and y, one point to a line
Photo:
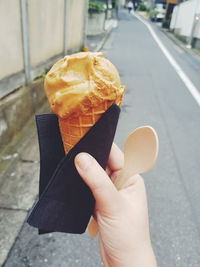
34	34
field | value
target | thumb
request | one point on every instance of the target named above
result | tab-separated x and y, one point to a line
95	177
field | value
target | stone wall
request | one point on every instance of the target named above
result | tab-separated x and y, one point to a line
96	23
34	34
17	108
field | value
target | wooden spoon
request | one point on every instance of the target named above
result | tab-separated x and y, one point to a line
140	154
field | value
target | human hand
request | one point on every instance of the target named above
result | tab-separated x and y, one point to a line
122	216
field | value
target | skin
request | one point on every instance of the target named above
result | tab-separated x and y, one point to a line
122	216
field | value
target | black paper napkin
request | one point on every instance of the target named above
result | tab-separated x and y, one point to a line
65	202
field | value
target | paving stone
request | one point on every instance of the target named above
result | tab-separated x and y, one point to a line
20	186
30	153
10	225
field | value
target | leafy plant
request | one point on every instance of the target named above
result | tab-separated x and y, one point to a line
97	7
42	74
152	14
142	7
115	3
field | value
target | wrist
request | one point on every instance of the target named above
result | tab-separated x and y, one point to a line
142	257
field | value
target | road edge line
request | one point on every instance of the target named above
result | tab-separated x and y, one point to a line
185	79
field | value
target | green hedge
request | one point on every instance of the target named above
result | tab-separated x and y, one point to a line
142	7
95	6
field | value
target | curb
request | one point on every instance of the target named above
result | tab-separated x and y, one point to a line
107	34
172	37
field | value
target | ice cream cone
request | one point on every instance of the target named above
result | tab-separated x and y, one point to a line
80	88
74	128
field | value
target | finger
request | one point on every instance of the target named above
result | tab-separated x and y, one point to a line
108	171
135	191
116	159
100	184
115	175
132	181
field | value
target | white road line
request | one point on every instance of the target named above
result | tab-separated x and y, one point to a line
186	80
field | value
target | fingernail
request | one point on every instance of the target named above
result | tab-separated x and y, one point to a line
83	161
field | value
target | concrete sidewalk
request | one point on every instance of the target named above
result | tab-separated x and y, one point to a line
96	42
192	51
19	166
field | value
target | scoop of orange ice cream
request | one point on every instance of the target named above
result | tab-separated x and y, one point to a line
81	81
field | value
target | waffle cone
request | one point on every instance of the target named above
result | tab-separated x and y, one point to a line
72	129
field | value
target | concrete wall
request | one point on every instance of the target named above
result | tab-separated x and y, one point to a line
77	21
96	23
46	29
34	34
183	18
11	54
197	27
17	108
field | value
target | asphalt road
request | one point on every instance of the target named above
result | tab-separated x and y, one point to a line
155	96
